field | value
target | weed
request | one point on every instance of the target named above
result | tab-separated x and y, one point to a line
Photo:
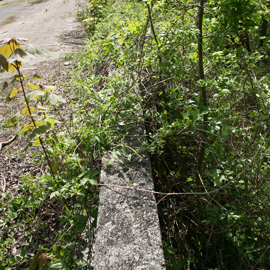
56	206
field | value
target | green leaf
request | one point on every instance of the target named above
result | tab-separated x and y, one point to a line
117	155
92	173
37	77
39	131
56	265
3	62
11	260
110	161
266	187
94	212
82	218
87	180
18	55
4	86
23	252
54	194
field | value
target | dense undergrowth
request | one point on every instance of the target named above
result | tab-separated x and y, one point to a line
200	78
202	75
206	115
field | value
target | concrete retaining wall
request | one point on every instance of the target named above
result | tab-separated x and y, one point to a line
128	234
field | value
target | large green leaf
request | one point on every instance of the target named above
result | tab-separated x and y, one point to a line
18	55
39	131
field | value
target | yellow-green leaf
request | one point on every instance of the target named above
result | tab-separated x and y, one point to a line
37	124
35	261
26	111
13	120
37	77
9	45
8	49
50	88
13	93
32	86
25	128
11	68
36	142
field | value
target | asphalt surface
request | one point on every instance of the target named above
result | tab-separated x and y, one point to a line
42	22
17	10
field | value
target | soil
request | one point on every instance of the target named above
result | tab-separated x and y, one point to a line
53	31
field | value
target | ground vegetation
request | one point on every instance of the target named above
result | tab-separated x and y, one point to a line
198	71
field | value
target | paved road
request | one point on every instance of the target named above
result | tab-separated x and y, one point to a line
19	9
42	23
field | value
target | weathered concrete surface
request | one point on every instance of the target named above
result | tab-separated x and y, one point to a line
128	234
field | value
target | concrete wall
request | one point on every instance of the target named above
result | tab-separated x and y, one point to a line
128	234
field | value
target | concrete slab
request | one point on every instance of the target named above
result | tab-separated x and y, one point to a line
128	234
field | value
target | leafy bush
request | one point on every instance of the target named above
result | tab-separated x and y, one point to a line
218	151
207	131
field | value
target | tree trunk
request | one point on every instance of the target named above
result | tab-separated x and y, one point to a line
203	94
